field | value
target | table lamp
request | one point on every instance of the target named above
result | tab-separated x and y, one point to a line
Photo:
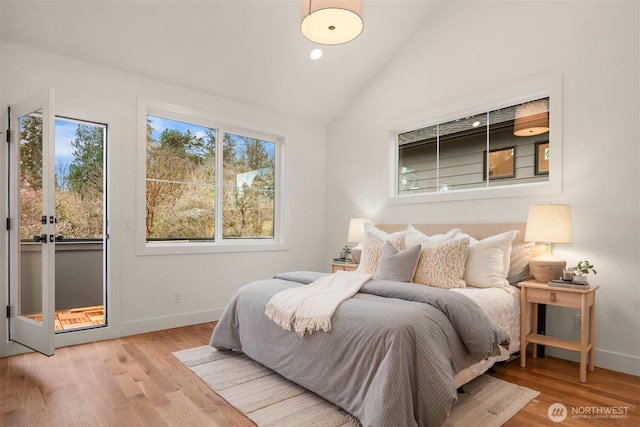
356	235
548	224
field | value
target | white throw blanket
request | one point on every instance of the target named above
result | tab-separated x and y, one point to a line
309	308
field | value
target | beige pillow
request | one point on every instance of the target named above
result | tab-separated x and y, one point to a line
397	265
372	246
488	261
441	265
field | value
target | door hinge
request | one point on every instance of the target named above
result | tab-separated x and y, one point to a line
8	312
8	125
8	224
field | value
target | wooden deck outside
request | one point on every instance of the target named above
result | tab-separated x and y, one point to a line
76	318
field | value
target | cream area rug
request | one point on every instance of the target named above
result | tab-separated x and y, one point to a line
270	400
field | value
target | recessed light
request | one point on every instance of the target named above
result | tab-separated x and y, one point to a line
316	54
476	124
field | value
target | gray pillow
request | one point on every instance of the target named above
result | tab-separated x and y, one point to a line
397	265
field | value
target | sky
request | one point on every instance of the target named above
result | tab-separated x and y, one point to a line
65	133
159	124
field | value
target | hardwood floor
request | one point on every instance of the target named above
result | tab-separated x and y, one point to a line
608	398
136	381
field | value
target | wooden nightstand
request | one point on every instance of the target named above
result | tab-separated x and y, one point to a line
335	266
541	293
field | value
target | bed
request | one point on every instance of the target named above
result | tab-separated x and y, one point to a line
397	352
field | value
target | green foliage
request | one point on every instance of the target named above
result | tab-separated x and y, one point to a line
249	183
185	144
583	268
30	176
79	196
86	169
31	151
180	185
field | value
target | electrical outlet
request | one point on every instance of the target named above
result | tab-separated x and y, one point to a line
177	297
577	321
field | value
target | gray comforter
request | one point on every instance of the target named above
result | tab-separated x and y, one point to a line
390	357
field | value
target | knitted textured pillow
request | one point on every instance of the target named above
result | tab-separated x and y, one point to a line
441	265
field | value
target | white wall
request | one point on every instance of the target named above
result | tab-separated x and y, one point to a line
470	51
142	287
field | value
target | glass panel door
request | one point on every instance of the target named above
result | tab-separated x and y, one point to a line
80	239
32	224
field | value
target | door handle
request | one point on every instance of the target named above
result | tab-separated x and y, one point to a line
41	238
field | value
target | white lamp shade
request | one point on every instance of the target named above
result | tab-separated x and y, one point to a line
549	223
356	229
331	22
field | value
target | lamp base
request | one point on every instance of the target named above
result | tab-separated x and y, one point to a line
355	254
545	269
356	251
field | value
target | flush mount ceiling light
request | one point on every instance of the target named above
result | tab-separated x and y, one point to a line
532	118
331	21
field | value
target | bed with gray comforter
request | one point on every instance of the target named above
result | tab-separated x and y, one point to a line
390	357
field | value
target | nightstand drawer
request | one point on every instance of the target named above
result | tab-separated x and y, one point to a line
552	297
335	266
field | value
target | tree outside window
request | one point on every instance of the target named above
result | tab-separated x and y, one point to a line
79	186
181	183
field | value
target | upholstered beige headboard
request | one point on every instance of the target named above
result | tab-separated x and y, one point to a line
478	231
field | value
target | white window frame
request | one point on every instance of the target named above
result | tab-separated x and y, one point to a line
170	111
550	86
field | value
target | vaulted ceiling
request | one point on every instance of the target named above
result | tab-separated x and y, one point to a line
248	51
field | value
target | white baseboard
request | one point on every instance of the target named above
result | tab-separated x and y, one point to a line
619	362
142	326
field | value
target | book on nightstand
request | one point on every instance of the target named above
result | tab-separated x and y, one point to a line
343	261
569	284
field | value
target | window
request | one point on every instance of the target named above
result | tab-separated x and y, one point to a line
79	185
180	183
489	149
207	183
80	181
249	187
506	149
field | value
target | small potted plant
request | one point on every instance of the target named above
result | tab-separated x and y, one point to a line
581	270
347	253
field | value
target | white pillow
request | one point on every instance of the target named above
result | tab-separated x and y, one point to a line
488	261
373	245
414	237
